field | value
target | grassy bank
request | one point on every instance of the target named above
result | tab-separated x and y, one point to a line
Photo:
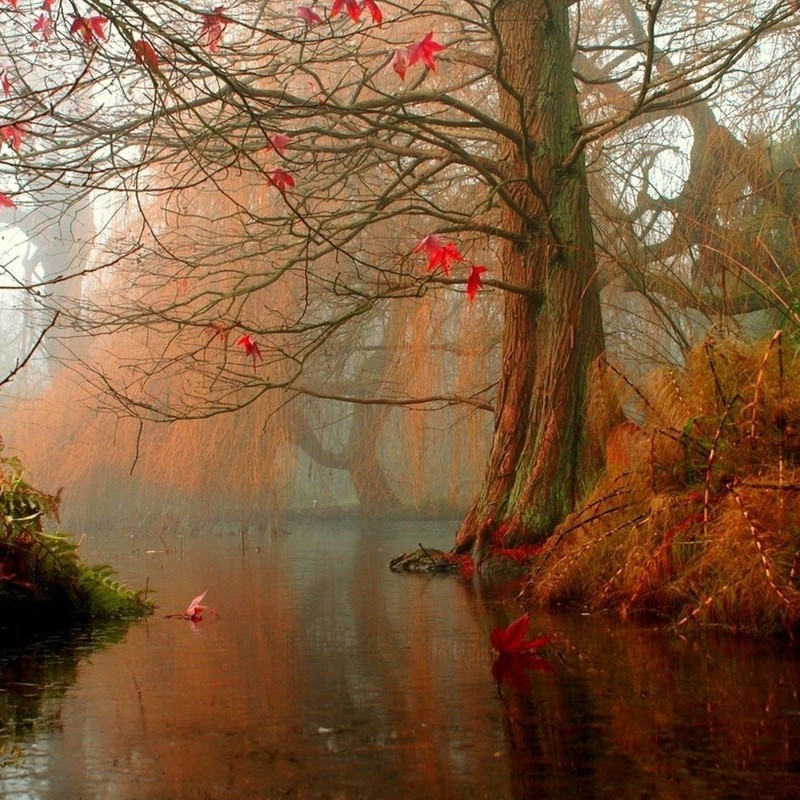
697	520
42	578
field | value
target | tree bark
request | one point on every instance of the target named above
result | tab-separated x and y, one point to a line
541	459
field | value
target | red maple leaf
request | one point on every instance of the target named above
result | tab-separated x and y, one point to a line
250	347
424	51
212	27
351	6
145	54
12	3
400	63
280	178
90	29
374	11
279	142
474	282
309	16
513	669
13	135
440	254
6	201
47	5
511	640
195	610
218	330
43	25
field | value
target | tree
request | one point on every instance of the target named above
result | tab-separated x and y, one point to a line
540	461
274	178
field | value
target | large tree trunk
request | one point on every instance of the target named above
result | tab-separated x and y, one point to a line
541	459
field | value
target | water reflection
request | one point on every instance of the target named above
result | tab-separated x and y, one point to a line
327	676
36	671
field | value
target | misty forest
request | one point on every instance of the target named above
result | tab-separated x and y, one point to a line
500	290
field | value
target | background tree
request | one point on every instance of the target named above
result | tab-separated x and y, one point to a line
270	177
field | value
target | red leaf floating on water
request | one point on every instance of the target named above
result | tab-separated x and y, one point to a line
195	610
511	639
515	654
474	281
6	201
513	669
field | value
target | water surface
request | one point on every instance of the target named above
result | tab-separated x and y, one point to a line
328	676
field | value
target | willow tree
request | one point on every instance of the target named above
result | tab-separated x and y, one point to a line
276	176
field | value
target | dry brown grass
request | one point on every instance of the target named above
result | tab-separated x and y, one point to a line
699	522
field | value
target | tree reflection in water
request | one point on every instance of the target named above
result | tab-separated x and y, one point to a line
326	675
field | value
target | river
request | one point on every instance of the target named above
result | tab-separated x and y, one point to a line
328	676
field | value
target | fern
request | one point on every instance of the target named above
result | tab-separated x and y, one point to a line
41	574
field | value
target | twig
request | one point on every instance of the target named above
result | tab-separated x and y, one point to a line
21	364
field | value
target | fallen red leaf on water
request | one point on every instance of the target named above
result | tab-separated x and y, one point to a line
6	201
513	669
195	610
511	639
515	656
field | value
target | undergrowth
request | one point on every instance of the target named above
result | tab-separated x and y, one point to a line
41	574
697	520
